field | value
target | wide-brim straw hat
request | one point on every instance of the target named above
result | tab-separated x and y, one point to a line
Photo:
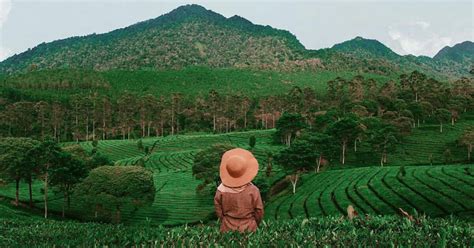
238	167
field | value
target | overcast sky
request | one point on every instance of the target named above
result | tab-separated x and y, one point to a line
419	27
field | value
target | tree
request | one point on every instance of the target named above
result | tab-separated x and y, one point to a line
384	140
42	108
417	110
288	127
91	160
214	100
356	88
206	164
296	99
15	162
106	117
307	152
345	131
114	187
126	113
47	155
57	119
23	117
413	83
252	141
403	124
442	115
65	175
467	139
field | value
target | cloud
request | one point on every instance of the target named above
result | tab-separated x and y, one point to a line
5	7
422	24
417	38
4	53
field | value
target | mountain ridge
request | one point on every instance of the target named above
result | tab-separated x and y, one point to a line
192	35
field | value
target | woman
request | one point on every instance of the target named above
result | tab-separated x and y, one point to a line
237	201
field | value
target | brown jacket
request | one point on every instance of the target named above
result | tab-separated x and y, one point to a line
239	211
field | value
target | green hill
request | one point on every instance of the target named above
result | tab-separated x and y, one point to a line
191	81
460	53
194	36
365	48
189	35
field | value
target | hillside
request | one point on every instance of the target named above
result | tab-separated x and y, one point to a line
432	190
178	203
194	36
460	53
188	35
365	48
191	81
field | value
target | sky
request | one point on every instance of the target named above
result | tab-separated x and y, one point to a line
418	27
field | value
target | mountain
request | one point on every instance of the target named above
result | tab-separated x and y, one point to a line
189	35
462	52
192	35
378	58
362	47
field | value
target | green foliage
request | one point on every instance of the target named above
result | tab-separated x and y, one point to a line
467	139
384	140
15	161
288	128
111	188
189	35
382	231
345	131
91	159
429	190
19	159
307	152
443	116
65	175
206	164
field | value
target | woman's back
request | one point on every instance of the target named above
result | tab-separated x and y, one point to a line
239	209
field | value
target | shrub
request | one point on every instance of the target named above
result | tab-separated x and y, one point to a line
108	189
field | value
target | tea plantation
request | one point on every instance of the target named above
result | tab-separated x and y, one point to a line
333	231
432	190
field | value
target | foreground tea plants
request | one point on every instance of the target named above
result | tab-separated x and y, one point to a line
333	231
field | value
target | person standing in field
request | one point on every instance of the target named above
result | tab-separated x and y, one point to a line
238	203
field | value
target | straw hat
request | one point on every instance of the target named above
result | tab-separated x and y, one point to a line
238	167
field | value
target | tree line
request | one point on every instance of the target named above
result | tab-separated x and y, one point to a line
410	101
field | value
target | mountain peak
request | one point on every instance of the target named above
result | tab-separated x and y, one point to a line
461	52
190	9
360	45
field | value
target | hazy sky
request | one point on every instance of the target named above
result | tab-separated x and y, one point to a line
418	27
